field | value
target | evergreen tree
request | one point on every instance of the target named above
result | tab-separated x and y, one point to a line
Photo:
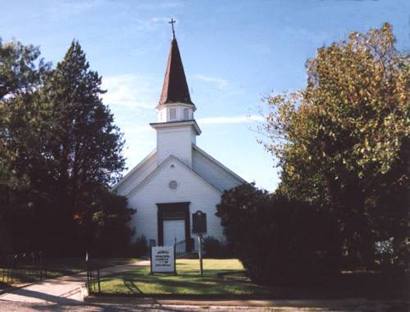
59	154
84	144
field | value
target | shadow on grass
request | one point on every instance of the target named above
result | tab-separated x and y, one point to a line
226	280
234	284
140	282
132	287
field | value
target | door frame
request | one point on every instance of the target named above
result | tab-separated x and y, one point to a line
174	211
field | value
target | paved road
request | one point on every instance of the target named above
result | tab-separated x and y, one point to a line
132	304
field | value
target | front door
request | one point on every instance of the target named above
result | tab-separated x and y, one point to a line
174	232
174	225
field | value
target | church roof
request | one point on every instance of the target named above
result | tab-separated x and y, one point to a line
161	167
175	87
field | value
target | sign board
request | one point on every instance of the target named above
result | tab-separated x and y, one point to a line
199	222
163	259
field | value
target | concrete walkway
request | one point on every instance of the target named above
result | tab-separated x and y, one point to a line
62	290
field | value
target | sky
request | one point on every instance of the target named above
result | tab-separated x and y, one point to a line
235	53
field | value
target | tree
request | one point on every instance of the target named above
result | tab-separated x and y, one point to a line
84	145
104	223
344	141
60	152
279	240
21	69
21	74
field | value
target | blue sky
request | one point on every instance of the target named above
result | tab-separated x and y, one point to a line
234	54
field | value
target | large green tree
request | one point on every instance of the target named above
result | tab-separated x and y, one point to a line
343	142
21	75
60	153
85	145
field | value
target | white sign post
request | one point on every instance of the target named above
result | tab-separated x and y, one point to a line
163	259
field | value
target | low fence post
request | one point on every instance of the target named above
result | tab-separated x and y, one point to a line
93	276
98	280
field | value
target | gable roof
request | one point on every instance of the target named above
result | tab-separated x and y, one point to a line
162	165
175	87
134	170
219	164
152	155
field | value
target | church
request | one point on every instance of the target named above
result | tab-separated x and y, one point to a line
177	179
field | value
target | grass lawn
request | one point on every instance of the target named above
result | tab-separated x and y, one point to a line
221	277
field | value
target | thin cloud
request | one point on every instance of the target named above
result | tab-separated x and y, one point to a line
225	120
150	24
133	129
161	20
220	83
163	5
65	8
130	91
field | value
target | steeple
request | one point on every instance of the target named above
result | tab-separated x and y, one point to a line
175	87
176	126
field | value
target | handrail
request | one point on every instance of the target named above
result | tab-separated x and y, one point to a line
183	247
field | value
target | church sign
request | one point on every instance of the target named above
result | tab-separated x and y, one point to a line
163	259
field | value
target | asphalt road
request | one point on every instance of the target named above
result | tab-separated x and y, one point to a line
132	304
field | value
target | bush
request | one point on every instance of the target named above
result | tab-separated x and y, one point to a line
278	240
140	247
107	226
214	248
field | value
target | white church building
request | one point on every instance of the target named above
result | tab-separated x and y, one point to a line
177	179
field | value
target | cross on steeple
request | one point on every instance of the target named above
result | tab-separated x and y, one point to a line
172	22
175	88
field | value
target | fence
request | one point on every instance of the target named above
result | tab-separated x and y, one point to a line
93	278
184	248
22	267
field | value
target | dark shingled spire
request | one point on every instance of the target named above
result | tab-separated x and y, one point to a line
175	88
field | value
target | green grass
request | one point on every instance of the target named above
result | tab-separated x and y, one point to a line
221	277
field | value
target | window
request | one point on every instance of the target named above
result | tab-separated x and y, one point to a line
186	113
172	114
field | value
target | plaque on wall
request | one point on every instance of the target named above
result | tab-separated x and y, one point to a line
199	222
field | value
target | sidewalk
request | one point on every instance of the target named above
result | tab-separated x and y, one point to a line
62	290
